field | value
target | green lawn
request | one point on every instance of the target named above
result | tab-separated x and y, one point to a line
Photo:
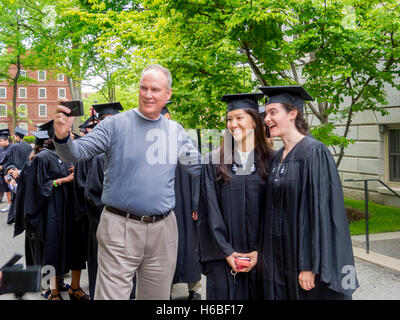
381	218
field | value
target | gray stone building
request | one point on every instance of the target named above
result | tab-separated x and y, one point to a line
375	153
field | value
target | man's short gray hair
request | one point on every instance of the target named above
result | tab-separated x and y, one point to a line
158	67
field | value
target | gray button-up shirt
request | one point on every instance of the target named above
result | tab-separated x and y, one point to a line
140	160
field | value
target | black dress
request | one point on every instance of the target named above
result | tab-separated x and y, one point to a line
305	226
229	220
93	191
187	193
49	218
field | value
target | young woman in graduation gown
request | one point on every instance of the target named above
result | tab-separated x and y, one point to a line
306	250
231	202
49	216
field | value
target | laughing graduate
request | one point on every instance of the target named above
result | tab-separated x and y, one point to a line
305	242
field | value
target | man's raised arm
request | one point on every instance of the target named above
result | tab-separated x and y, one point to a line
98	141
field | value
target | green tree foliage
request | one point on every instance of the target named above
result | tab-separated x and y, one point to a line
343	52
21	28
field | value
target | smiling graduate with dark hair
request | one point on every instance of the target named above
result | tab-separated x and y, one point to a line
231	203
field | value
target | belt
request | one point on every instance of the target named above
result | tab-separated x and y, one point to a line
143	219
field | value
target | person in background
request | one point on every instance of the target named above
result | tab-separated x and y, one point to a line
48	218
21	150
305	240
232	191
187	193
6	148
93	190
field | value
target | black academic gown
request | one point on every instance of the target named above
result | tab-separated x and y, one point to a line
49	214
305	226
187	193
19	206
4	161
80	224
93	191
19	154
229	220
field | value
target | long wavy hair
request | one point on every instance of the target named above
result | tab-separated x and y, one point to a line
262	150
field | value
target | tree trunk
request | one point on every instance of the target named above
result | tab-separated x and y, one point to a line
346	131
15	92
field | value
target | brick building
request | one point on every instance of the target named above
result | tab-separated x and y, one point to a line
36	102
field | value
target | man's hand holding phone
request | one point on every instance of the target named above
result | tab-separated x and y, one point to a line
62	122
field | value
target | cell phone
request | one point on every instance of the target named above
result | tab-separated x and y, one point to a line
76	107
242	262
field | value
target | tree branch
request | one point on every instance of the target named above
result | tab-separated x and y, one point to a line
294	71
252	64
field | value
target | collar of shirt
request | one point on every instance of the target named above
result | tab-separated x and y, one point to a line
144	117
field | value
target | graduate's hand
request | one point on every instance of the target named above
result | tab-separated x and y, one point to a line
253	260
68	178
62	123
306	280
231	261
71	169
12	182
194	216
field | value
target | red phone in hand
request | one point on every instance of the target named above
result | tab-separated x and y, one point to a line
242	262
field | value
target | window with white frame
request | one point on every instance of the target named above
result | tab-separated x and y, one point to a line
42	93
22	93
22	111
394	154
23	125
22	73
42	75
3	92
42	110
62	94
60	77
3	110
3	125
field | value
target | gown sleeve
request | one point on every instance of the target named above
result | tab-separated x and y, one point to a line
38	190
324	237
213	236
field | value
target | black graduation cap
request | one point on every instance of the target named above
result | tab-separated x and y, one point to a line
89	123
41	135
4	133
76	136
107	108
21	132
49	127
293	95
165	109
242	100
10	166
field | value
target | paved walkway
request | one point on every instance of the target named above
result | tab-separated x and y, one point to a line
384	249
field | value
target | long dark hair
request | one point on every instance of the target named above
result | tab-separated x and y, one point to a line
262	150
300	123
